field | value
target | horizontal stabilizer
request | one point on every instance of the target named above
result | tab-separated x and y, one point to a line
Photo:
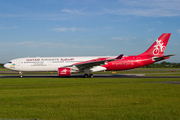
162	57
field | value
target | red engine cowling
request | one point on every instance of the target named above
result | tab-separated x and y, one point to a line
64	71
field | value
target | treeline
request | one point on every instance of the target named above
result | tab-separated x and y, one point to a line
163	65
1	65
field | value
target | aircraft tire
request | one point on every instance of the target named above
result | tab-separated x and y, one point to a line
91	76
85	75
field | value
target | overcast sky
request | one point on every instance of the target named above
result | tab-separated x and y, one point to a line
54	28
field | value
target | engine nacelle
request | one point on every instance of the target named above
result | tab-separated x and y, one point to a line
64	71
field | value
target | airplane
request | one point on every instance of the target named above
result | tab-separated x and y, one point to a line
65	66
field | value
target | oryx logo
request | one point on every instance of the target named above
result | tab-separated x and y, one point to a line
63	71
13	65
158	47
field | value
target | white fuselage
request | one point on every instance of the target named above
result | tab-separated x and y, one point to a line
45	63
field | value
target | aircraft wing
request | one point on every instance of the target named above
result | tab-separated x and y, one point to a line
95	62
162	57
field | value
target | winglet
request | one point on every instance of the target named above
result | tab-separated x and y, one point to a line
119	57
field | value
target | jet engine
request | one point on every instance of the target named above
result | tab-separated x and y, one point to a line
64	71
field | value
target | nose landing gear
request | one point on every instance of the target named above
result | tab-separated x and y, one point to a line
21	74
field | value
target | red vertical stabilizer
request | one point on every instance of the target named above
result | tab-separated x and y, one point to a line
158	47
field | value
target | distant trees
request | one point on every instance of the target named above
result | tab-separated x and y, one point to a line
163	65
1	65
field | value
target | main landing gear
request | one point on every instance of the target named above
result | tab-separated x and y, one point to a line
88	76
21	74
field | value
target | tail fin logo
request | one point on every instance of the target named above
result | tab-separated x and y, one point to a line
158	47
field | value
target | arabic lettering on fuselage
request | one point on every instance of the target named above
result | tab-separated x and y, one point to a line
67	59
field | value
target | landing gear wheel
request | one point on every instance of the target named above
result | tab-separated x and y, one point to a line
85	75
91	76
88	76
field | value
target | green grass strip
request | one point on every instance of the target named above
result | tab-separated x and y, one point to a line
91	99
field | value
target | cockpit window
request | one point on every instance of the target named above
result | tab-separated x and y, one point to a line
9	62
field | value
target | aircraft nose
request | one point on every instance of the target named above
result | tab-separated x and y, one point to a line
6	65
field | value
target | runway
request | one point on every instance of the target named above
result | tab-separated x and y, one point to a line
95	76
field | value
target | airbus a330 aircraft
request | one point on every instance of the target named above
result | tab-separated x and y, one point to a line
65	66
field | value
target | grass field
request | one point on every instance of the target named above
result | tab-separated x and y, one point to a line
91	98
